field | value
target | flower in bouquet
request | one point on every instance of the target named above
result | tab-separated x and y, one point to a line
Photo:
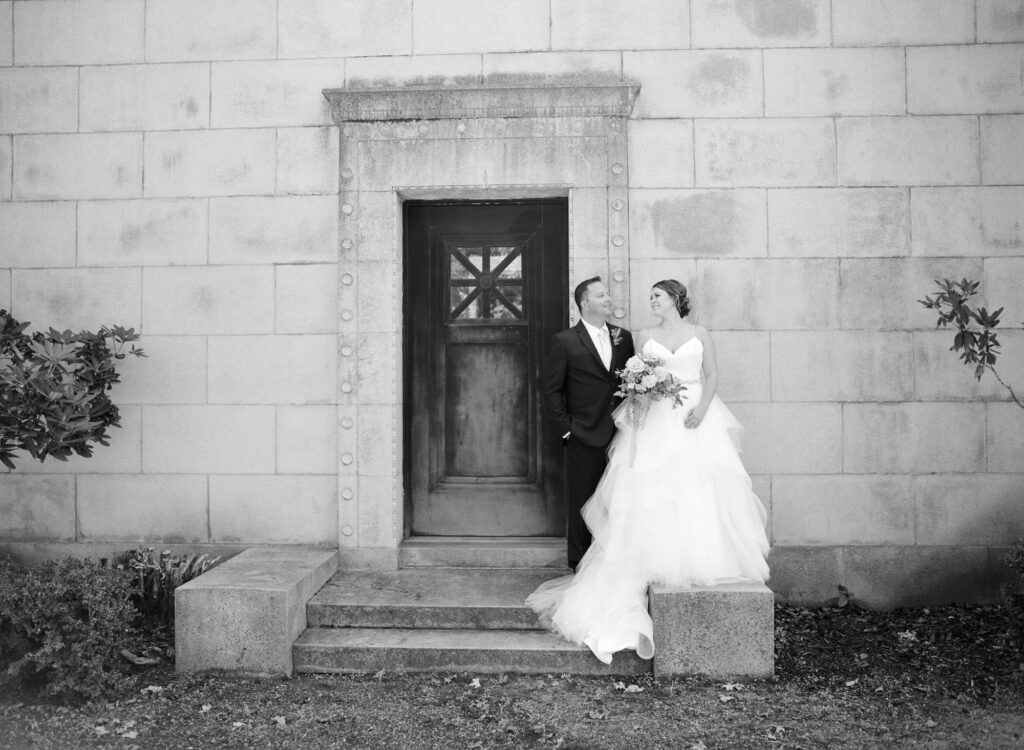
643	380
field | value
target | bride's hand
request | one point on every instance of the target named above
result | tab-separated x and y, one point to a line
694	418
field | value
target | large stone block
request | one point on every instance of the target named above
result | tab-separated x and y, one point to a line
1003	286
172	372
883	293
699	83
78	298
307	160
272	369
6	33
306	298
889	577
908	150
281	229
643	274
123	455
89	165
378	299
1002	150
170	509
37	507
687	224
198	300
913	438
966	221
211	162
720	631
1000	21
274	509
37	235
805	576
842	510
245	614
972	79
744	370
273	93
210	30
307	439
779	23
426	70
782	152
208	440
79	32
515	67
142	232
606	24
488	26
768	294
353	28
771	445
815	82
908	22
838	222
145	97
38	100
842	366
939	375
660	153
1005	438
970	508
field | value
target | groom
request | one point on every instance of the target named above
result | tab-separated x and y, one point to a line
579	390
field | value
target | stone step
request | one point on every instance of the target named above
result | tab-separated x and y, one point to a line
482	552
464	598
364	650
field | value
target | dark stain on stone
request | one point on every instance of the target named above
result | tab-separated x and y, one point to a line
718	79
191	107
778	18
836	85
170	159
703	224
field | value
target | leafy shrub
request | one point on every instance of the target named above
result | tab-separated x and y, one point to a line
156	576
53	389
63	626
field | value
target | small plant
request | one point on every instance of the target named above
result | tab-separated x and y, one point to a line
975	338
53	389
156	576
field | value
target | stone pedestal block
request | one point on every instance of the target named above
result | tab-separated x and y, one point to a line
720	631
244	615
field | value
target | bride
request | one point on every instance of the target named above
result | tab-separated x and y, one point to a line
674	506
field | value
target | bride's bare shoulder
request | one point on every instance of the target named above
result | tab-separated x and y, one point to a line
643	336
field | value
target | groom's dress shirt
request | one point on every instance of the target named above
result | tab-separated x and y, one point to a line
602	342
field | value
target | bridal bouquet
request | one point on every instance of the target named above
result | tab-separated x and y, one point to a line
645	379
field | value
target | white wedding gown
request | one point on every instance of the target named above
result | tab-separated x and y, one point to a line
674	506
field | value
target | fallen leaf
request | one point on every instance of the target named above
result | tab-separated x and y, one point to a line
698	745
619	685
634	689
280	721
130	735
100	730
379	675
598	714
152	689
475	683
930	723
206	707
851	683
730	686
726	698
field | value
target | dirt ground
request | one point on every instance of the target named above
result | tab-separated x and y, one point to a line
845	678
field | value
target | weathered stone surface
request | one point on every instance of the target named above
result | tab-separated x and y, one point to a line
414	70
274	509
815	82
306	298
747	23
968	221
805	575
908	150
273	93
1000	21
210	30
377	356
198	300
1002	150
145	97
970	508
377	457
38	235
171	509
517	67
307	438
1003	287
79	32
142	232
842	510
377	285
211	162
281	229
273	369
660	153
172	372
682	224
699	83
838	222
772	446
939	375
6	33
88	165
208	440
781	152
480	552
483	27
972	79
643	273
721	631
606	24
378	525
6	179
244	614
841	366
307	160
122	456
38	100
5	289
327	28
77	298
1004	439
37	507
744	371
910	22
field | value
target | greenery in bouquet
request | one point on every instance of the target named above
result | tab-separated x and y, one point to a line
645	379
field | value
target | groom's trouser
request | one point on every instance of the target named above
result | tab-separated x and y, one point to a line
584	465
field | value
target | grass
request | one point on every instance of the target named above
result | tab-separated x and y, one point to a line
947	677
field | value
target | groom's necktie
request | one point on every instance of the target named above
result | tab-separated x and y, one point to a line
606	347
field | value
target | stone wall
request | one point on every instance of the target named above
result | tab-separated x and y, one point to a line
806	166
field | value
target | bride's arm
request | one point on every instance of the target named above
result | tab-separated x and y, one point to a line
710	370
642	337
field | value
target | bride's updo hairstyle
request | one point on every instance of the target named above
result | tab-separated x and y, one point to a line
677	292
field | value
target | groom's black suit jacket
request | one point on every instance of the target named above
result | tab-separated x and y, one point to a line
578	390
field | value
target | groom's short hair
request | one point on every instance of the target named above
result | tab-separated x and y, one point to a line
581	290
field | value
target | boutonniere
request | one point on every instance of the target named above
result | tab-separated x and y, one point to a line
615	334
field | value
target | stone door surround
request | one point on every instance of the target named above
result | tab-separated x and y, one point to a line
457	142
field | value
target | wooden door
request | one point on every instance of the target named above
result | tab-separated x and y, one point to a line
485	289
